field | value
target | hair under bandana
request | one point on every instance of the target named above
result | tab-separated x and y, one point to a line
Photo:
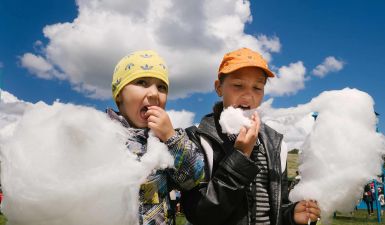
135	65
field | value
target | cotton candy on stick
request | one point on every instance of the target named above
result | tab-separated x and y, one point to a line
342	151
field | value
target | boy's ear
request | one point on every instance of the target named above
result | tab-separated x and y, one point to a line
218	88
118	100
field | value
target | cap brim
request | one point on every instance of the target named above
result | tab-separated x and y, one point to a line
268	72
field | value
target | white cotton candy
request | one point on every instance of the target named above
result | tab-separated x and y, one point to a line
342	151
233	119
157	154
69	165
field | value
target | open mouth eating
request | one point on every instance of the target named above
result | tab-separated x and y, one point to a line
143	111
243	107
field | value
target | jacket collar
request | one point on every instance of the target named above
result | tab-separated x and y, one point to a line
209	125
141	133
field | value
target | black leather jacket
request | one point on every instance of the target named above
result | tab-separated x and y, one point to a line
222	198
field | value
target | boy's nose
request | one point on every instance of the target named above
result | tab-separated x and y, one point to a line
247	95
153	95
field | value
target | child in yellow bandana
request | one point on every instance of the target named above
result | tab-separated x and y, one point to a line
139	87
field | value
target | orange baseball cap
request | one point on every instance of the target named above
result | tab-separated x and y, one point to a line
240	58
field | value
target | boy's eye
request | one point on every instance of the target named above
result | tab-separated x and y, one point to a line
256	88
259	86
141	82
237	85
162	88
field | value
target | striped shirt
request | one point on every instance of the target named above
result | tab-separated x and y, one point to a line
261	182
257	193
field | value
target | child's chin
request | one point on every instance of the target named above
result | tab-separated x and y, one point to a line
140	124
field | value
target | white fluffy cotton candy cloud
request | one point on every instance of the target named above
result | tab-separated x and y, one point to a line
192	36
69	165
340	151
233	119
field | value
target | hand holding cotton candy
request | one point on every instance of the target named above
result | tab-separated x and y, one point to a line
244	123
69	165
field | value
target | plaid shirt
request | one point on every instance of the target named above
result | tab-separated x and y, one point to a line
154	198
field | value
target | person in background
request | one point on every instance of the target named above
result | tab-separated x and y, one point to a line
368	198
381	199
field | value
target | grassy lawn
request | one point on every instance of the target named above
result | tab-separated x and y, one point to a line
292	164
359	217
180	220
2	219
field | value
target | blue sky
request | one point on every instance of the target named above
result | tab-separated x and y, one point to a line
353	32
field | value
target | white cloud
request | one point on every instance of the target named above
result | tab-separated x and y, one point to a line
192	36
270	44
288	81
294	124
181	119
39	66
6	97
330	64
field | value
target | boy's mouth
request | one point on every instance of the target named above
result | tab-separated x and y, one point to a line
243	107
143	111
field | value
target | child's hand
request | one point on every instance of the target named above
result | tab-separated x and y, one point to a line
247	137
305	210
159	122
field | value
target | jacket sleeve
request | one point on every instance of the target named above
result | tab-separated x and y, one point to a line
287	206
188	161
214	202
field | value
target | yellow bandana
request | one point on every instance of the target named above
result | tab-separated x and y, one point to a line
135	65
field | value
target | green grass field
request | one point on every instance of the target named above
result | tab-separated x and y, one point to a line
3	220
359	217
292	164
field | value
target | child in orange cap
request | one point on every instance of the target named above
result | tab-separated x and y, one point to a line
139	88
246	183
